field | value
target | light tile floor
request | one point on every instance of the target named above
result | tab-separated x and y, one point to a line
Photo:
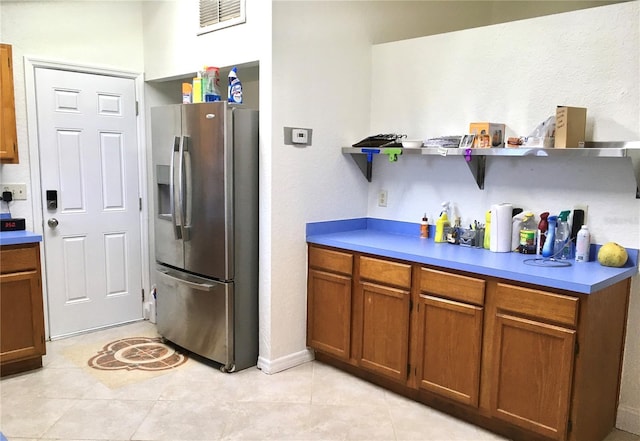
67	400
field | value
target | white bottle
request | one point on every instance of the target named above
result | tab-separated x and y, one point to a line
583	243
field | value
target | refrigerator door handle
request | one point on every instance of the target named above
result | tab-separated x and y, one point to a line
187	189
199	286
177	231
184	233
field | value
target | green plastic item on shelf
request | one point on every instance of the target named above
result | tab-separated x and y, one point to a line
393	153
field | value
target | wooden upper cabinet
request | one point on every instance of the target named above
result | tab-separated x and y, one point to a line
8	136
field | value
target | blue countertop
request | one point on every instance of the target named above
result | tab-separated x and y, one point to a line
18	237
400	240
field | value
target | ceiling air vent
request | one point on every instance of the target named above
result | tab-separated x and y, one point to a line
218	14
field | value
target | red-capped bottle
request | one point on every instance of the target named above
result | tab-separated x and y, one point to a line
543	227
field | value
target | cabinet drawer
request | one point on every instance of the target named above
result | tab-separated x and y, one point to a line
16	258
540	304
452	286
331	260
386	272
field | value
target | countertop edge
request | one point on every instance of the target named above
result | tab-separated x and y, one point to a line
18	237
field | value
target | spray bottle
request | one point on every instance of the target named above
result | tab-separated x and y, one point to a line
548	247
442	223
562	248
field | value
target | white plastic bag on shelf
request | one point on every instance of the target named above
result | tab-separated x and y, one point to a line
543	135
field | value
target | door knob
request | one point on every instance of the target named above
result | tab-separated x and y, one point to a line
53	222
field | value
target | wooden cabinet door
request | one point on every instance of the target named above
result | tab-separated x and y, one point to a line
22	317
329	313
384	330
8	137
449	348
532	372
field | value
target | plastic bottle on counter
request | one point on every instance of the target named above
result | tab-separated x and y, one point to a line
486	240
562	248
441	224
528	234
543	227
515	231
424	227
583	244
548	248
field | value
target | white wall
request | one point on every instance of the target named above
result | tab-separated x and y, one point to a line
516	73
77	32
320	81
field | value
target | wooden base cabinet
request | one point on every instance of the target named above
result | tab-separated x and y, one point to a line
534	345
382	323
528	362
449	318
21	311
329	302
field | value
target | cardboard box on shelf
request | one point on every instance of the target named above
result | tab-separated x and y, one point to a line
487	134
570	127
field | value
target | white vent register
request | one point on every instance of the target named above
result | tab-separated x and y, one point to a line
218	14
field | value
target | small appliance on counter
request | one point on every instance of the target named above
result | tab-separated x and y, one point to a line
12	224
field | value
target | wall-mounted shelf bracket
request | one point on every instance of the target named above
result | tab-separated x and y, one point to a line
477	166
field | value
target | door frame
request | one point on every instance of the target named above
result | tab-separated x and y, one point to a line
30	65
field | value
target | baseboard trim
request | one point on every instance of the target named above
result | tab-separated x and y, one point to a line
288	361
628	419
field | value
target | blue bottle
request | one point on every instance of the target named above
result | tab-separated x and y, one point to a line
547	248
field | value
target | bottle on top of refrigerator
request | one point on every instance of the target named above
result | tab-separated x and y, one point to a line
235	87
528	234
583	243
211	84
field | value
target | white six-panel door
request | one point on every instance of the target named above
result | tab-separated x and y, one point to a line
88	154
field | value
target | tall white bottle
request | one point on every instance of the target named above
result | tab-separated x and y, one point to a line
583	244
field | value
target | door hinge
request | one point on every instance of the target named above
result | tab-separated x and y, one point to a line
410	305
137	108
577	348
140	203
142	294
569	426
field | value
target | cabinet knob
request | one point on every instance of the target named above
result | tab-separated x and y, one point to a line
53	222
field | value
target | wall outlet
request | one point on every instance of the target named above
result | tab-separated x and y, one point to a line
19	191
382	198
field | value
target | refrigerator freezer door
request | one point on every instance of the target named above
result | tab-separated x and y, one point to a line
196	313
165	140
208	159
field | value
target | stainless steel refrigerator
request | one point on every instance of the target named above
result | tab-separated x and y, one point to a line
205	165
